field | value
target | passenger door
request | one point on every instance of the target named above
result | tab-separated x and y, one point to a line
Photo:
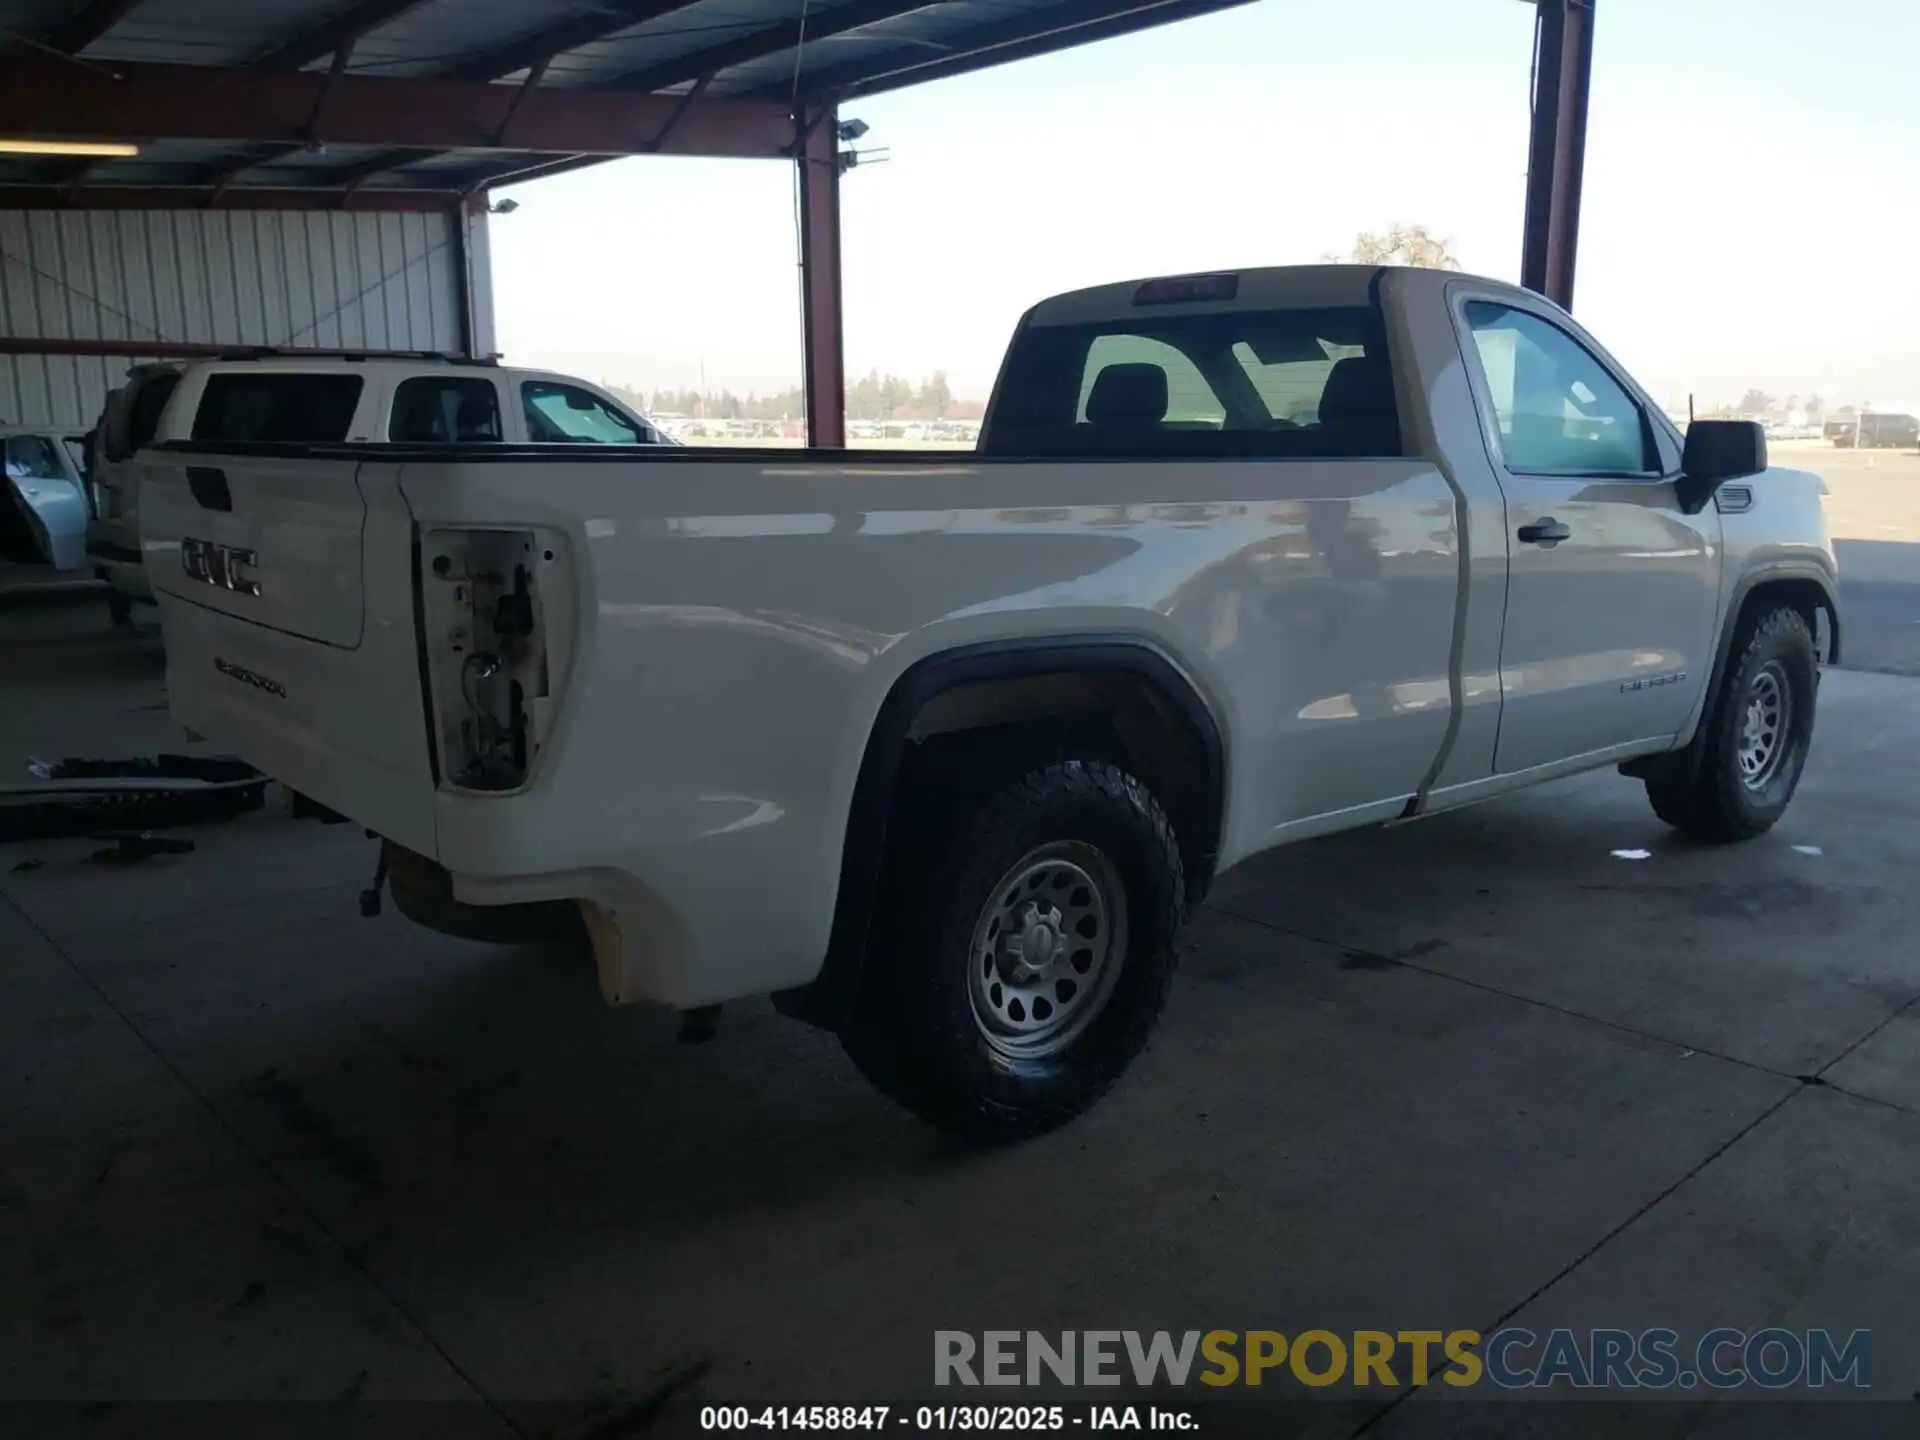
48	500
1612	590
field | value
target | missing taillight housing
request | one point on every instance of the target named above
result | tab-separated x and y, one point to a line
486	614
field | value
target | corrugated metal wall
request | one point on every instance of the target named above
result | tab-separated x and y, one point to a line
322	278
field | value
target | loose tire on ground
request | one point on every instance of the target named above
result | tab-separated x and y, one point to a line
989	1006
1736	778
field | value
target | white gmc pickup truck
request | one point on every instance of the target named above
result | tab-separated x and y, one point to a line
940	749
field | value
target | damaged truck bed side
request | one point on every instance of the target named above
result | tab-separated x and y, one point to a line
942	748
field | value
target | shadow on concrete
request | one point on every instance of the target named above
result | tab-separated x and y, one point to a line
410	1084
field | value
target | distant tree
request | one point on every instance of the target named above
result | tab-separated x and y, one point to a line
895	394
863	399
1756	402
935	397
1402	244
1816	406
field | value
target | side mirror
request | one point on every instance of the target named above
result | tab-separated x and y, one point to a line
1717	451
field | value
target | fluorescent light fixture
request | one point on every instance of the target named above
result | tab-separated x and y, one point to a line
100	148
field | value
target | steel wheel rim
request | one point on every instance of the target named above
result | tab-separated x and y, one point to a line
1046	950
1766	718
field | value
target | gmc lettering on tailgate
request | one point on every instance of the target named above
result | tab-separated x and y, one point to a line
225	567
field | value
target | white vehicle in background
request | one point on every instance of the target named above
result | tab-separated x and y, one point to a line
308	399
44	521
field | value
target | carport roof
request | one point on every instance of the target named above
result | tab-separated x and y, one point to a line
388	102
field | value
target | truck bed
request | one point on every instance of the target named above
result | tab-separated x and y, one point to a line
1310	603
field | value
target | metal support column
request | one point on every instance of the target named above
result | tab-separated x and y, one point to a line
1563	72
460	230
821	320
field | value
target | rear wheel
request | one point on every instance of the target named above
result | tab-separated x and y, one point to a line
1739	774
1020	968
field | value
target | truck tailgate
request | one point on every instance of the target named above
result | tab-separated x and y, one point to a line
286	593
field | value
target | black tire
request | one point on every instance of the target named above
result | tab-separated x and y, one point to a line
1703	791
916	1033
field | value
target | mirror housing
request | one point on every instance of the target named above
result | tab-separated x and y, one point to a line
1715	452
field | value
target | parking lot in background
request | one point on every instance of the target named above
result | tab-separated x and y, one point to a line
1873	505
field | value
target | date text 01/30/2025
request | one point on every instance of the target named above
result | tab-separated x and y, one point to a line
937	1419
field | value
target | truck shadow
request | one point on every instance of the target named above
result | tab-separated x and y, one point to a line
505	1100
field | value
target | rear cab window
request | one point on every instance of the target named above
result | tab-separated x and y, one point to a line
1301	383
445	408
283	406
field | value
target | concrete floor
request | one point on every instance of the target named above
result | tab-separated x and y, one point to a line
1448	1075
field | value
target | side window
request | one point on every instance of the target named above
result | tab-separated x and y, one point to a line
31	457
279	405
566	414
445	408
1557	407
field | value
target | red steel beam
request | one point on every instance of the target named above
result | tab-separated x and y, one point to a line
43	97
532	53
822	319
1556	154
336	37
205	197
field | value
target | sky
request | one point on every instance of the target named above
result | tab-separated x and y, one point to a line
1751	215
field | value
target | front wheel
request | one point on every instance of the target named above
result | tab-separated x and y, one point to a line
1019	970
1737	777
